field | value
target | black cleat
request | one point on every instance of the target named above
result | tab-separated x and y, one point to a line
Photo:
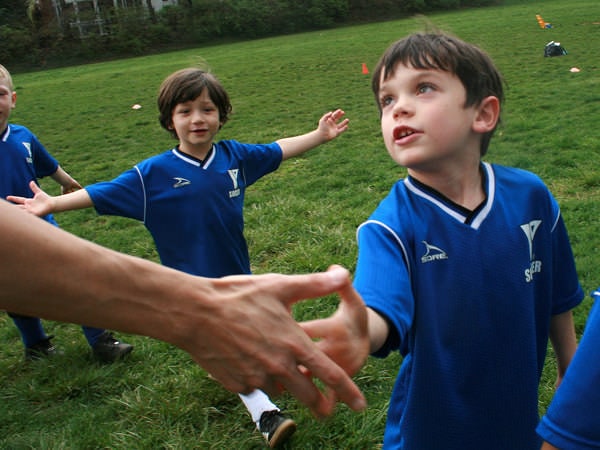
43	349
108	349
276	428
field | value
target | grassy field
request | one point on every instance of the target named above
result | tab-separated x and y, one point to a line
302	218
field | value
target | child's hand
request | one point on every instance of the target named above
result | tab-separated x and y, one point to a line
71	187
344	336
40	204
330	126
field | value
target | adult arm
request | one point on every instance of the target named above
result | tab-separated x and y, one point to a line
237	328
329	128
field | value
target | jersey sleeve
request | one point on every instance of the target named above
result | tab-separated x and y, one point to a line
568	291
386	291
123	196
257	160
43	162
572	420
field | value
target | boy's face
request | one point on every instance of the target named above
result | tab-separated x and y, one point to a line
425	125
196	123
8	100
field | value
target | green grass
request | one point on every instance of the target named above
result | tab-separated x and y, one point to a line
302	218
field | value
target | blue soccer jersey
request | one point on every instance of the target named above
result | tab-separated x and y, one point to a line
468	297
193	209
23	159
572	422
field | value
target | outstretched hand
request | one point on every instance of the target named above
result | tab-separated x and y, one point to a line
330	125
40	204
281	352
344	336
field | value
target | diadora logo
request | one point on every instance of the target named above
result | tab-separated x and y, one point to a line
27	145
535	266
233	174
433	253
180	182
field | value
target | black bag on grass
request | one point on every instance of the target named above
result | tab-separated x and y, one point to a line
554	49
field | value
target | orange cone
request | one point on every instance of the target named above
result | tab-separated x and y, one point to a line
540	21
365	71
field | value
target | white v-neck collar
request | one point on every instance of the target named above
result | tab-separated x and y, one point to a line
449	208
196	162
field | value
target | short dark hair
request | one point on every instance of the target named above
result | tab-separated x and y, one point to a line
440	51
185	85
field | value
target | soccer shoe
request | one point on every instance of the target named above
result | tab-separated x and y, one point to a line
108	349
43	349
276	428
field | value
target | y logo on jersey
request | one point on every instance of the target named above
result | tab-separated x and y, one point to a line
433	253
233	174
535	266
27	145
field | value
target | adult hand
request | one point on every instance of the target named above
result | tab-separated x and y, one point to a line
261	346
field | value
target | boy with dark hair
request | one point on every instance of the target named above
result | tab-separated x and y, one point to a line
23	159
190	198
466	266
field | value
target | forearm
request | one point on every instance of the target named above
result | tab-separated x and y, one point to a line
378	330
564	340
547	446
74	200
67	182
68	279
297	145
330	127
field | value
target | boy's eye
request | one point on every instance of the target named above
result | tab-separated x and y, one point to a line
386	100
424	88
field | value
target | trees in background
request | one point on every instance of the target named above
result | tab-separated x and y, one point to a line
40	33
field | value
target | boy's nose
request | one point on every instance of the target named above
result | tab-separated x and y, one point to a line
403	107
197	116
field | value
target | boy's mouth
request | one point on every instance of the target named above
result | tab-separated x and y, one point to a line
402	132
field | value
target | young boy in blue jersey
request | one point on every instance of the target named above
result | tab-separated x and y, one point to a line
572	420
23	159
191	197
466	266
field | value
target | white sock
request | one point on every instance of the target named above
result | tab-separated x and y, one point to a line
257	402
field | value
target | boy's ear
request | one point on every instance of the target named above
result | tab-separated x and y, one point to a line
14	99
487	115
